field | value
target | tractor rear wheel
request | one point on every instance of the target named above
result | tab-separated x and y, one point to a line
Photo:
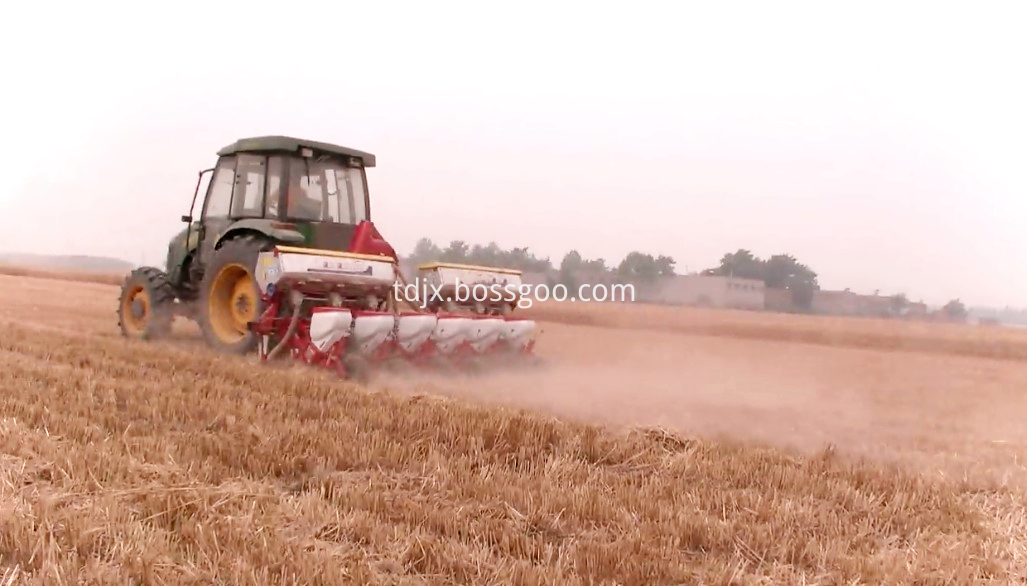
145	308
229	298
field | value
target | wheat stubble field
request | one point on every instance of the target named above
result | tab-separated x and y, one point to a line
661	447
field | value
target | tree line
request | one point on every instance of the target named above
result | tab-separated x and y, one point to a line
784	271
778	271
635	267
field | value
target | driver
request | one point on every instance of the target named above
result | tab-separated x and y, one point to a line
300	206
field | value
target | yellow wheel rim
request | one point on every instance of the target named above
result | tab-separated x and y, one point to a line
232	303
135	309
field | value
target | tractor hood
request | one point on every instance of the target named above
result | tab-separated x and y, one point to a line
362	238
325	235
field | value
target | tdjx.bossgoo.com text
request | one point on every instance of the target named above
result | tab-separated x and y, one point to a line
524	294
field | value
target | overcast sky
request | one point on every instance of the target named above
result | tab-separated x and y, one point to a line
882	143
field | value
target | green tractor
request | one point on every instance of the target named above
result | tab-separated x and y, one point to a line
263	192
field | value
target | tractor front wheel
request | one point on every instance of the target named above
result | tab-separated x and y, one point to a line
145	308
229	298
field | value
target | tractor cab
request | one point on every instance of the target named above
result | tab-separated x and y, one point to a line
291	191
325	197
316	189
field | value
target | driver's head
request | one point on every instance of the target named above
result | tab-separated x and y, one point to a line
301	206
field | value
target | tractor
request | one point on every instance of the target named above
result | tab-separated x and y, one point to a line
284	251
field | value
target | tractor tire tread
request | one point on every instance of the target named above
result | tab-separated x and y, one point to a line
162	295
244	247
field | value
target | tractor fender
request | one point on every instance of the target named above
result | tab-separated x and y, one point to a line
261	227
179	251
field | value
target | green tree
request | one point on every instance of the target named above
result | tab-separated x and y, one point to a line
596	266
425	251
521	258
665	266
899	303
636	266
569	268
639	267
572	262
783	271
780	271
491	255
741	263
457	251
955	310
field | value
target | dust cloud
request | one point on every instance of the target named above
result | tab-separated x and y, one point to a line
947	414
687	384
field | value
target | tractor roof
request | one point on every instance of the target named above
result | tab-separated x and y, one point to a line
289	144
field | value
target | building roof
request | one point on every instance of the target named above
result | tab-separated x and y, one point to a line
290	144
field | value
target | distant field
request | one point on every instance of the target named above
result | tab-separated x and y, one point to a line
84	276
163	463
855	332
